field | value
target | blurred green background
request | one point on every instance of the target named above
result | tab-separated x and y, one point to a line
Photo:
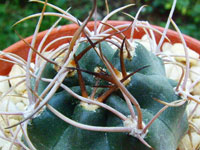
187	15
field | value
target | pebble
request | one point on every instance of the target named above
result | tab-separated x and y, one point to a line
17	70
166	47
191	105
178	49
20	106
196	89
7	146
4	85
195	72
173	71
7	105
196	122
187	144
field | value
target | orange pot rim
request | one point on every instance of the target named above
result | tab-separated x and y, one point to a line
21	49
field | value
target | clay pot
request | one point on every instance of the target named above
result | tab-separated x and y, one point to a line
21	49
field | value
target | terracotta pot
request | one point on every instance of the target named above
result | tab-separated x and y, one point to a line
22	49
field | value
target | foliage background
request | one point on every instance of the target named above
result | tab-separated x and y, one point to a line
187	15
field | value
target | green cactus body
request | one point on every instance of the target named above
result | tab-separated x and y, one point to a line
48	132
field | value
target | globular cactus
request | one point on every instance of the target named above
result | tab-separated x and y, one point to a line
92	96
145	81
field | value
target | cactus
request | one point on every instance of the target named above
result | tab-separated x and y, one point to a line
148	81
92	96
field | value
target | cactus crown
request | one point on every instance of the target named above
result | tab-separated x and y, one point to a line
101	91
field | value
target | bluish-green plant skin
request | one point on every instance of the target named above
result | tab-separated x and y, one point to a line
47	132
